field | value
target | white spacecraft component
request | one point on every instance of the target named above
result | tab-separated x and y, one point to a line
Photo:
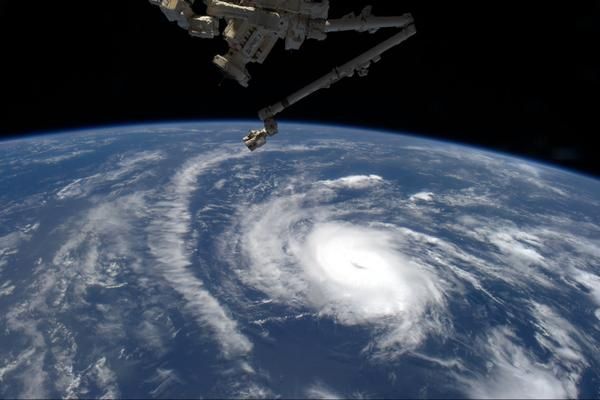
254	26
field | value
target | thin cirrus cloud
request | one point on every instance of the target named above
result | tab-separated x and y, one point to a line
167	237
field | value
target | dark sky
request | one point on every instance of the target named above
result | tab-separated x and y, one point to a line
521	77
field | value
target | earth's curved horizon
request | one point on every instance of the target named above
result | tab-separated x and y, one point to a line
166	260
253	124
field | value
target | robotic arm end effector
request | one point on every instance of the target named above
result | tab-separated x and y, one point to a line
258	138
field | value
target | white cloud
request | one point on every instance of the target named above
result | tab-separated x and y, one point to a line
253	391
102	246
469	197
220	184
167	241
444	363
357	275
34	378
105	379
354	182
126	166
75	188
321	391
514	373
63	348
562	340
513	254
590	281
99	241
10	243
514	245
7	289
164	379
422	196
61	158
143	157
95	245
10	366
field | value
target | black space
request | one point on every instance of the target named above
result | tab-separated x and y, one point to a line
521	77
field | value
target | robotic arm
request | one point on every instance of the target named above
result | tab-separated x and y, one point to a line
360	65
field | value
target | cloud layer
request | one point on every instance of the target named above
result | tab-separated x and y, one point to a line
448	257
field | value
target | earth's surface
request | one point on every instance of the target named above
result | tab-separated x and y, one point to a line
168	261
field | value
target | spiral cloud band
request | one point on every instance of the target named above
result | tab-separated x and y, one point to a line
315	250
